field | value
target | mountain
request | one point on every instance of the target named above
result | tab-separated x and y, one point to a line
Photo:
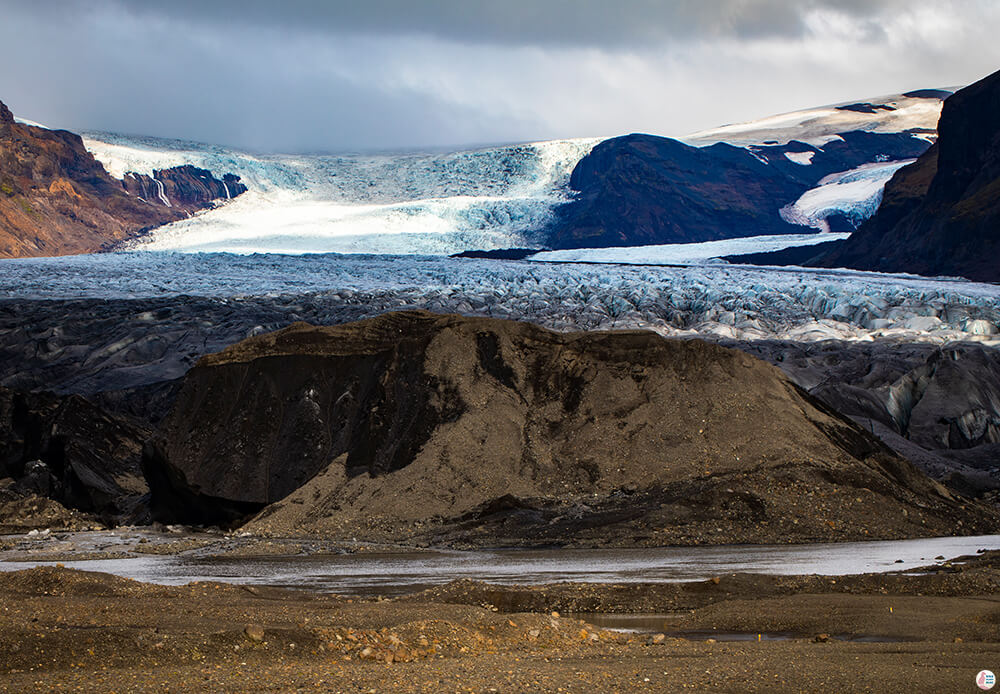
645	190
491	432
504	196
939	215
56	199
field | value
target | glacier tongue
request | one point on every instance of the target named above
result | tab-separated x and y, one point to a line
854	194
738	302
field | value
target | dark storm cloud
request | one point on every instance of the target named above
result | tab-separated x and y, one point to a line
565	22
373	74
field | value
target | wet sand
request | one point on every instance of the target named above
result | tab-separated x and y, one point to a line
67	630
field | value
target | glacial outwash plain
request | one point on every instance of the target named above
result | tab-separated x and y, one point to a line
640	413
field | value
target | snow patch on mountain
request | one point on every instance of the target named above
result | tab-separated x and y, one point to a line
818	126
684	253
801	158
25	121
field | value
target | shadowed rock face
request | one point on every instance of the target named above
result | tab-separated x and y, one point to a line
939	215
187	187
69	450
374	426
56	199
939	407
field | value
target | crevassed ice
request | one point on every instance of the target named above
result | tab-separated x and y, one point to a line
739	302
383	203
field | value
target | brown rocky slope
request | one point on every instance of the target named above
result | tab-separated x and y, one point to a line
56	199
446	429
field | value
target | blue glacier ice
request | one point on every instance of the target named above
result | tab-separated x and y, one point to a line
738	302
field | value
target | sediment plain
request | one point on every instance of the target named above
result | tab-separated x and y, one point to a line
70	630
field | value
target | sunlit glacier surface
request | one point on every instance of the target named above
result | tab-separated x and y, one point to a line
684	253
400	203
740	302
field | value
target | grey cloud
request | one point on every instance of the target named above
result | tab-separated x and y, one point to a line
303	75
559	22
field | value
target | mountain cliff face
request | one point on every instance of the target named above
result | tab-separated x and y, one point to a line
56	199
940	215
497	432
642	189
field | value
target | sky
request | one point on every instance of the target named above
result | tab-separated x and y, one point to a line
326	75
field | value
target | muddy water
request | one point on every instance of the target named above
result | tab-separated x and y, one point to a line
644	623
396	573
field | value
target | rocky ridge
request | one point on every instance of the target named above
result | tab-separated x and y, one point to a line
56	199
939	215
641	189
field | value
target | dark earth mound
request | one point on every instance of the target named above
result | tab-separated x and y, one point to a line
69	450
128	357
439	428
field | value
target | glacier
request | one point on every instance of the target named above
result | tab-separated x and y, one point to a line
714	300
393	203
684	253
444	202
854	194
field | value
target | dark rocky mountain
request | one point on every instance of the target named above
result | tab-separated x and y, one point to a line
939	215
69	450
184	186
480	431
56	199
642	189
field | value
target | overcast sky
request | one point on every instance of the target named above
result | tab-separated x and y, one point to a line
325	75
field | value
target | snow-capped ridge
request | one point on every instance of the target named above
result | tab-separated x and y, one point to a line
818	126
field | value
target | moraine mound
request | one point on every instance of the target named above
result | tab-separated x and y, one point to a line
443	429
